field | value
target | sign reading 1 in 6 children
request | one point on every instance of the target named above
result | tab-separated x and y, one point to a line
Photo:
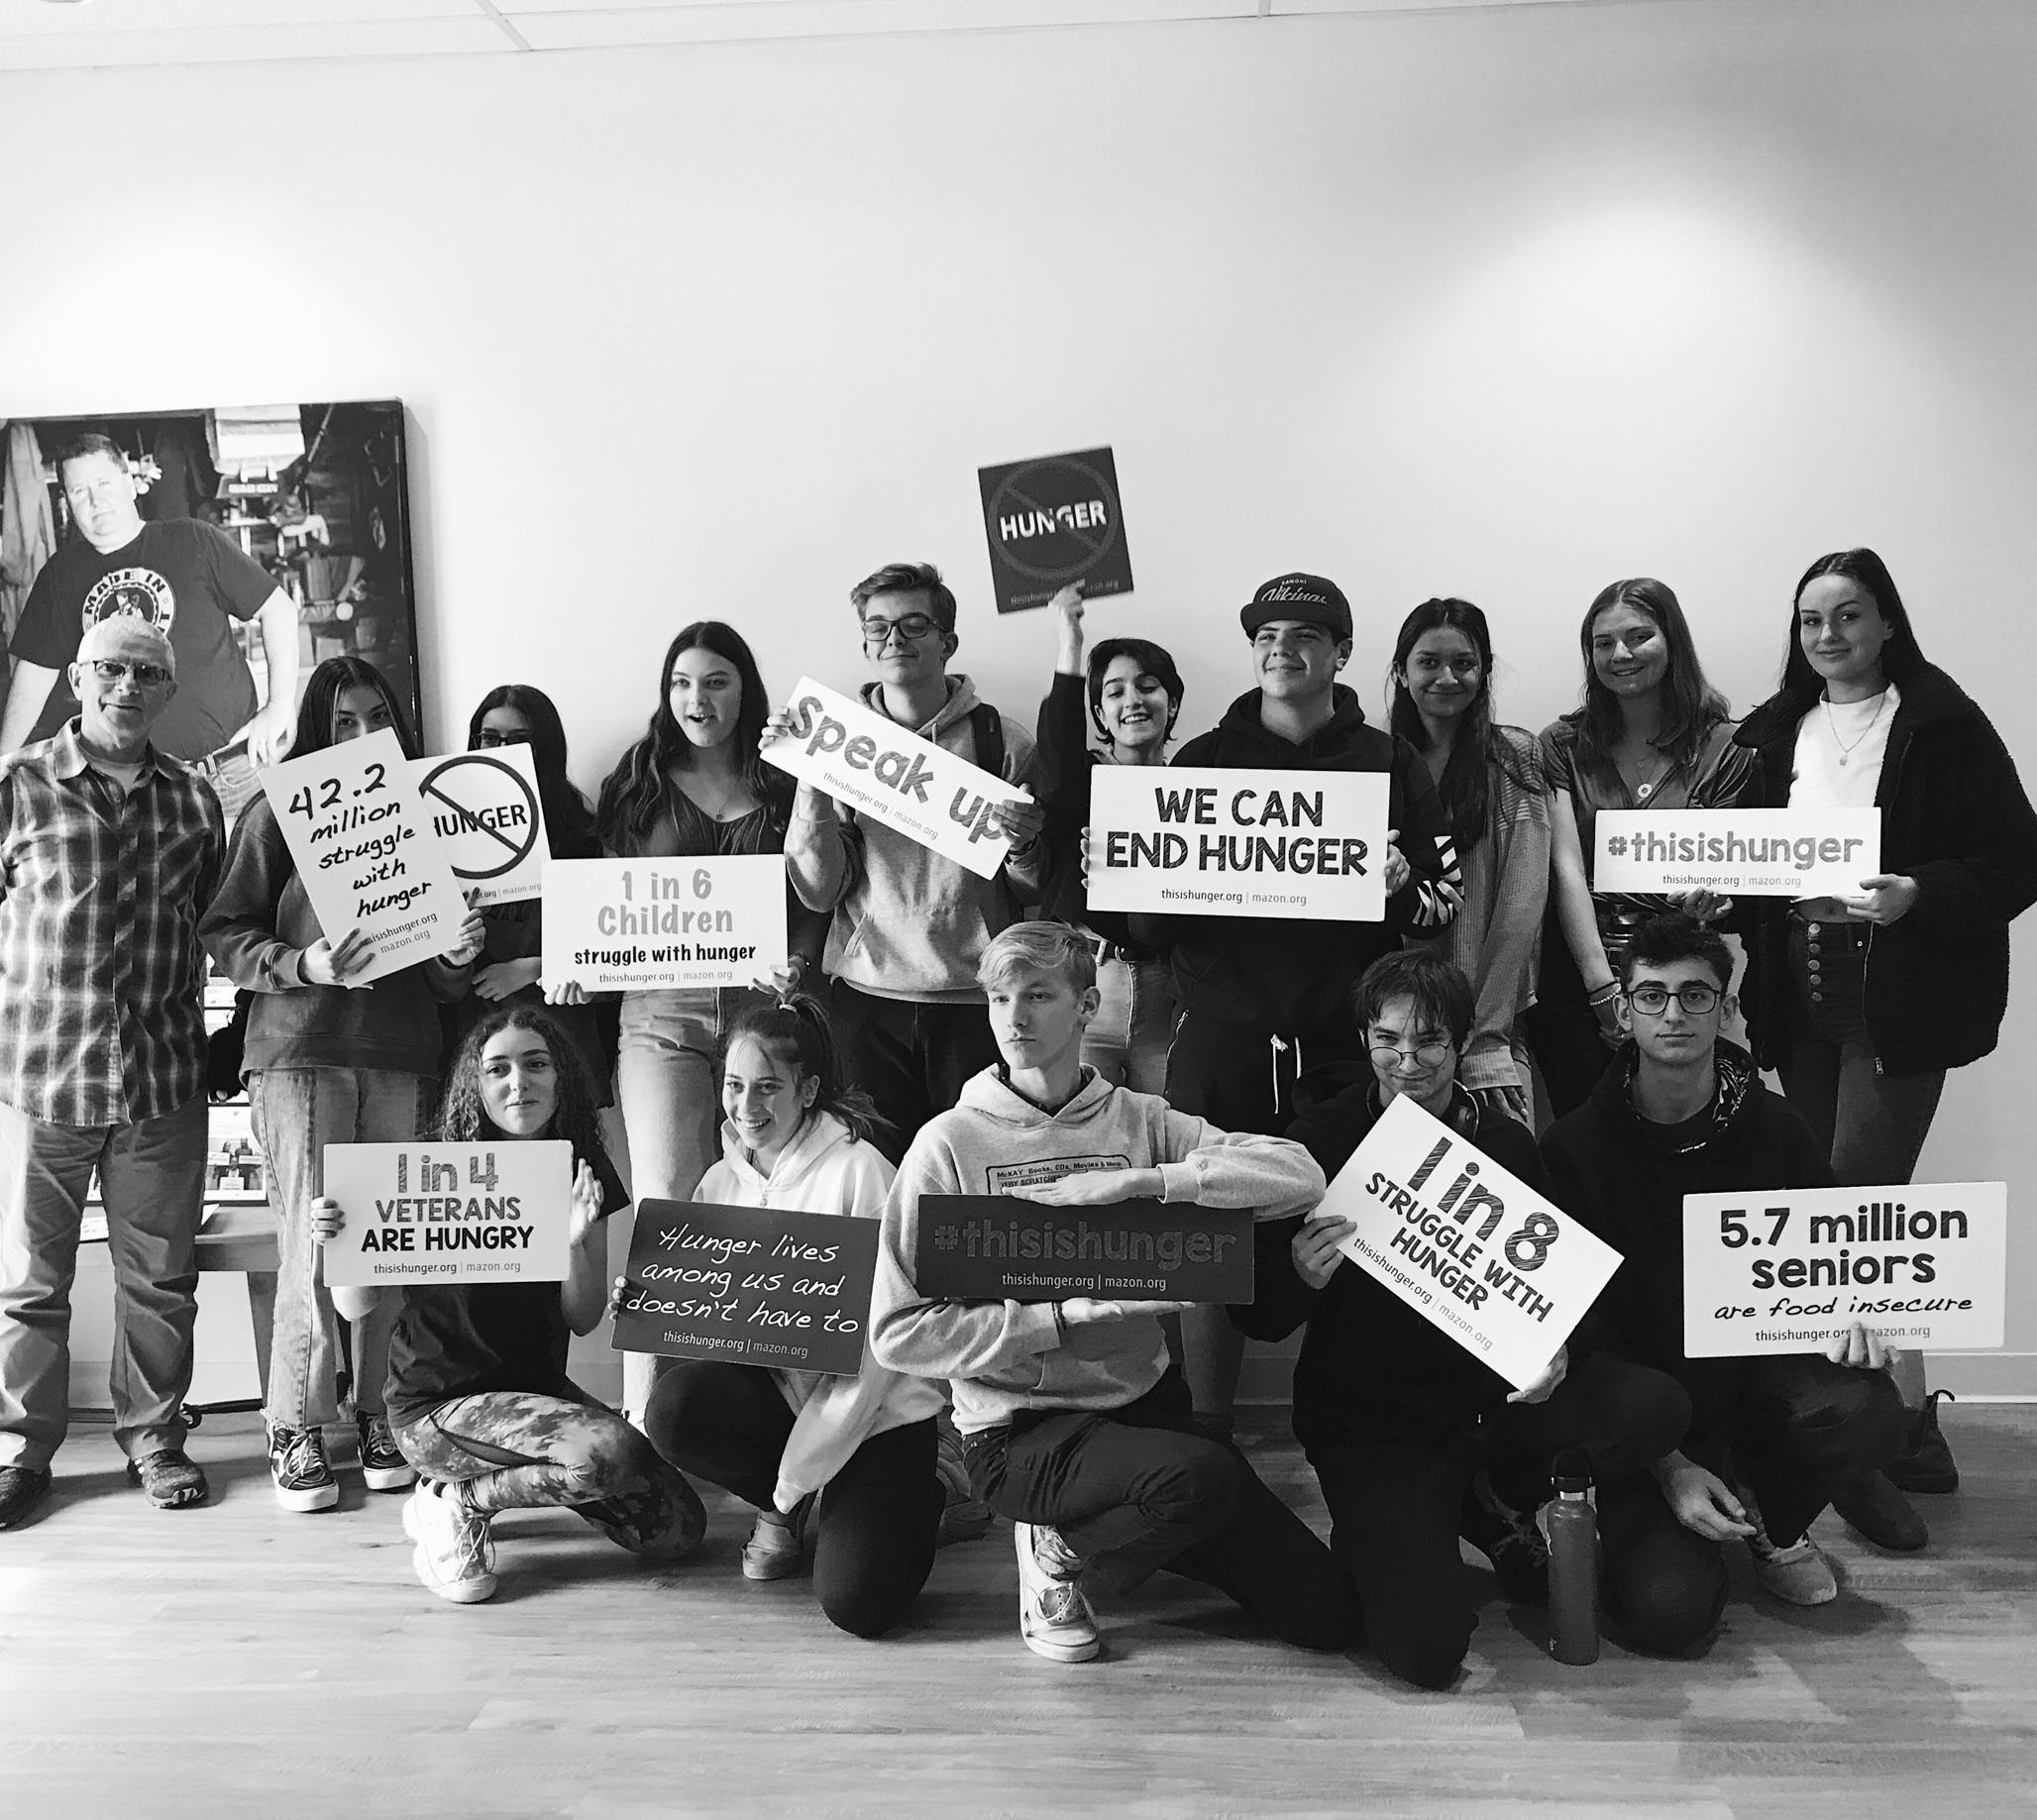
1739	852
486	1213
365	849
630	924
1791	1270
1238	843
1461	1242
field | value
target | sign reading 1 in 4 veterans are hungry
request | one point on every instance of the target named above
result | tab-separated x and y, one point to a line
751	1285
1739	852
1792	1269
1238	843
1003	1247
486	1213
484	809
1462	1241
365	849
1053	521
637	923
881	770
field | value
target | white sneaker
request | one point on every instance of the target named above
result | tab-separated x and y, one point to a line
454	1557
1797	1575
775	1550
1054	1618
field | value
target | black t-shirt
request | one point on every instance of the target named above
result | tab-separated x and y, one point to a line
459	1339
187	579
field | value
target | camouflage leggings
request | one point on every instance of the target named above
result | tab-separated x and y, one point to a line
513	1450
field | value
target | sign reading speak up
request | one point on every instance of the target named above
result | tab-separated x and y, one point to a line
1005	1249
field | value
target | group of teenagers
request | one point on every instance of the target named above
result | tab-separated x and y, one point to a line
935	1032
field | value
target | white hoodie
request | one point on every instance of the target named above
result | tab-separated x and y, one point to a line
1007	1355
826	1169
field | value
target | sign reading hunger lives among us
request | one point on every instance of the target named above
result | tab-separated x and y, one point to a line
1460	1241
881	770
636	923
1053	521
486	1213
1792	1269
484	809
1739	852
1238	843
1003	1247
363	846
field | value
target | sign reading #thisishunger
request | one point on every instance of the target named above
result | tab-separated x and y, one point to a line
1052	521
1739	852
1003	1247
485	1212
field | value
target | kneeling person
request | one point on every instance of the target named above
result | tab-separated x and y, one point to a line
1074	1424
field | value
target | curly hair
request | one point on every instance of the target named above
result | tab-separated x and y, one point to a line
463	1118
798	1034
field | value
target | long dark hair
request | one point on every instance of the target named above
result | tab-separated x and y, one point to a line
569	818
1467	784
638	788
797	1033
463	1120
1691	706
321	704
1901	658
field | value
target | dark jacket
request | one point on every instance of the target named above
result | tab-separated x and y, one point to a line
1954	817
1372	1367
1289	974
1062	767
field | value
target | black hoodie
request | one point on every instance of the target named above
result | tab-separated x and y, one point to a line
1287	974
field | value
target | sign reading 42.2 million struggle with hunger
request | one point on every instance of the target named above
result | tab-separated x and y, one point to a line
1217	842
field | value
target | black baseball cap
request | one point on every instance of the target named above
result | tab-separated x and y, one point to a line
1311	599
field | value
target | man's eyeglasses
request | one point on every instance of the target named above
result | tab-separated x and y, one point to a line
877	634
1653	1000
147	676
1423	1054
488	736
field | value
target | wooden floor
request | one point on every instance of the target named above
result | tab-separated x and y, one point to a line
241	1660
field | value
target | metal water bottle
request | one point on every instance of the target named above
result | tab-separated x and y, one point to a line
1573	1564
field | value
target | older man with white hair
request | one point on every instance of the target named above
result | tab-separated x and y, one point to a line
109	850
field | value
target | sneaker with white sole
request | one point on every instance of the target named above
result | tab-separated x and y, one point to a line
455	1555
1797	1575
382	1463
1054	1616
299	1468
777	1549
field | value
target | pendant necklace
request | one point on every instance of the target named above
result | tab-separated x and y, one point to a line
1845	750
1644	788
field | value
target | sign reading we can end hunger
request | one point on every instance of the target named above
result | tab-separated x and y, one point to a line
881	770
486	1213
1792	1269
365	849
1238	843
632	924
752	1285
1462	1241
491	824
1003	1247
1739	852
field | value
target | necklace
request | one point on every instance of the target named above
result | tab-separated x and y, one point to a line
1845	750
1644	788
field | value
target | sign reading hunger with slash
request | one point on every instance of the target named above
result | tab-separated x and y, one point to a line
1053	521
881	770
1238	843
484	809
1460	1240
486	1213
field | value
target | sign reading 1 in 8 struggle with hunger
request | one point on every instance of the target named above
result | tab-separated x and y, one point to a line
1460	1241
1053	521
365	849
1792	1269
1238	843
487	1213
632	924
1739	852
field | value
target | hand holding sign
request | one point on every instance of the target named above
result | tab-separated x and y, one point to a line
322	964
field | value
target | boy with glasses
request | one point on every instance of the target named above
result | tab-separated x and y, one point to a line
1682	1111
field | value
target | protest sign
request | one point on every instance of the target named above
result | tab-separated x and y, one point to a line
365	849
1792	1269
484	809
633	923
1462	1241
751	1285
1739	852
1053	521
881	770
1238	843
439	1213
1003	1247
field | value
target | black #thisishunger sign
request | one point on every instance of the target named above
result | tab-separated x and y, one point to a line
1053	521
1001	1247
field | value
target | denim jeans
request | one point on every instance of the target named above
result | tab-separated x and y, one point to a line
1127	1041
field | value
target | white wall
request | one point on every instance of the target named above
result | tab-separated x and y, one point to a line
1497	302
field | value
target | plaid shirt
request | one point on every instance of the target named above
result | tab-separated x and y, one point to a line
102	1017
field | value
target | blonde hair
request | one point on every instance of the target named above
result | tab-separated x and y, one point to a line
1049	948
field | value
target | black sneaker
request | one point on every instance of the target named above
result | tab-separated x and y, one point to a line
297	1463
1509	1539
382	1463
1925	1462
22	1488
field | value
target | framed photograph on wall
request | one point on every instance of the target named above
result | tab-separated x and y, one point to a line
253	535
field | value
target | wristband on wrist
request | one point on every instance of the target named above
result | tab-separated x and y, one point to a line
1603	995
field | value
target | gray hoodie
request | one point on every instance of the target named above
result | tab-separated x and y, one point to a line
1009	1355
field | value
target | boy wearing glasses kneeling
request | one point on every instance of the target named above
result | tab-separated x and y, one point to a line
1679	1112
